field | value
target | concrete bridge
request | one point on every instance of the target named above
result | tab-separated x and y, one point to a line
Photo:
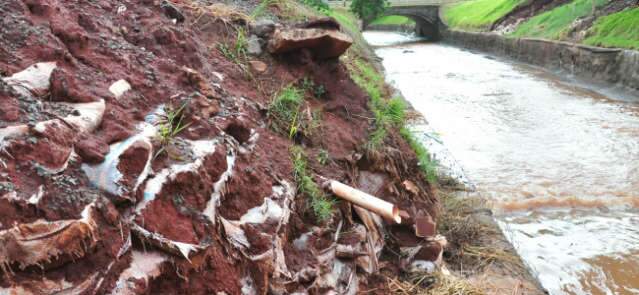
425	13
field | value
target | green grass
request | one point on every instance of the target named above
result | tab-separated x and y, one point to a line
346	18
170	126
555	24
284	110
620	29
235	51
393	20
321	205
388	112
426	164
478	14
323	157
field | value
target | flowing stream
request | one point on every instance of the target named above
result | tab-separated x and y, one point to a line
559	162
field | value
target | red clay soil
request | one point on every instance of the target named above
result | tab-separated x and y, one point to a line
100	42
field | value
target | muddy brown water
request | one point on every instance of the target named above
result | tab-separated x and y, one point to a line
559	161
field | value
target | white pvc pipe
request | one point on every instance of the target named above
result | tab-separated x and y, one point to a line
366	201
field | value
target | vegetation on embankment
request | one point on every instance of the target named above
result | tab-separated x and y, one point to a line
616	30
456	222
389	113
610	24
393	20
555	24
478	14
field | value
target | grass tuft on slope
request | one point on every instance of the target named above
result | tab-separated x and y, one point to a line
555	23
478	14
619	29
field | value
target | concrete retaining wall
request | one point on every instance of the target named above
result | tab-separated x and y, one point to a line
592	64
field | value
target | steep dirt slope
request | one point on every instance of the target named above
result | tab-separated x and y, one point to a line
93	201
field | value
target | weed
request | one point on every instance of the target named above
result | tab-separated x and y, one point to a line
426	164
321	205
227	52
323	157
393	111
170	126
319	91
367	78
235	53
307	84
310	86
241	43
284	110
377	138
315	122
388	113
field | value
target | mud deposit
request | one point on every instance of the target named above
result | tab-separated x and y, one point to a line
92	201
559	162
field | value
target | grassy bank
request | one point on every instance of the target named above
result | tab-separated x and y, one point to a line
395	20
478	14
616	30
555	24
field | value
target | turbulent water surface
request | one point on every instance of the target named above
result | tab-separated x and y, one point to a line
560	162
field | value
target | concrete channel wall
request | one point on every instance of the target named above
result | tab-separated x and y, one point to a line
591	64
407	28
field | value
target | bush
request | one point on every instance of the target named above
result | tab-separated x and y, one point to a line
368	10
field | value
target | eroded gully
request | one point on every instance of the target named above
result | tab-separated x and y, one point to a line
560	163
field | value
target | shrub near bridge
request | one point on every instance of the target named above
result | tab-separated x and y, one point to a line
368	10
